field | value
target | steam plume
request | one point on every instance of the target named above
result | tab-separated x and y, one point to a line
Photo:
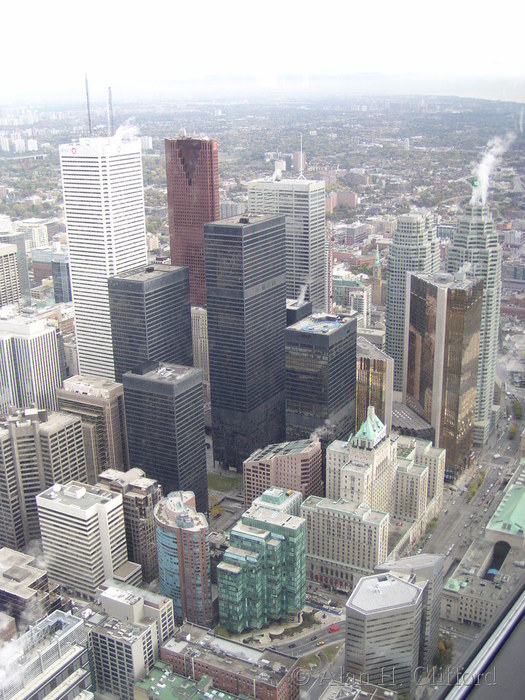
127	131
496	147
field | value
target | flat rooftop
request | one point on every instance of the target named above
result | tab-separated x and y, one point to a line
123	632
151	598
148	273
165	372
364	348
78	495
174	512
90	386
283	448
162	683
351	508
321	324
382	592
266	665
445	280
17	574
273	518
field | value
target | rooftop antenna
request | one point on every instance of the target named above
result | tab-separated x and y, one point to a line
110	113
88	108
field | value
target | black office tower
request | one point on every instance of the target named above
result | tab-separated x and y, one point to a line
165	424
321	377
150	317
246	298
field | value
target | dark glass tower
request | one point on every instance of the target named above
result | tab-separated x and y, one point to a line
61	277
321	377
165	423
245	283
150	317
192	178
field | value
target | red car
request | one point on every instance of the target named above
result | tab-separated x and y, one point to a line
334	628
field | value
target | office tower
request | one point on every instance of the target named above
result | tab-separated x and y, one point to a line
414	248
124	644
9	282
17	239
192	178
245	282
150	317
296	310
29	364
84	537
199	334
99	403
184	559
104	206
442	348
320	377
475	244
291	465
374	383
262	575
426	571
25	592
36	450
165	419
49	660
379	285
383	623
196	651
140	495
61	277
303	203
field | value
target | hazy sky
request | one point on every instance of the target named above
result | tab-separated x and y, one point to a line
48	46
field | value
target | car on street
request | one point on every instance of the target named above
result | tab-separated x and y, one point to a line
334	628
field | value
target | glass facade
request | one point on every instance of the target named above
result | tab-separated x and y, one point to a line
246	302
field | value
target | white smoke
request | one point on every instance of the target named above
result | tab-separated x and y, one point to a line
302	291
496	147
324	431
10	671
128	131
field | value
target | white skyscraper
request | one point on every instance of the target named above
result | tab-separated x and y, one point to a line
29	364
303	203
414	248
104	204
476	242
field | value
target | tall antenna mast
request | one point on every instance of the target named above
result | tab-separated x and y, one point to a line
88	108
110	113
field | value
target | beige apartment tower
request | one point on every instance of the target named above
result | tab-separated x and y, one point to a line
9	282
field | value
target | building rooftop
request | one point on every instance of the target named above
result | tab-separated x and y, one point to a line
382	592
357	510
147	273
79	496
122	632
90	386
283	448
509	517
445	280
365	348
372	429
151	598
404	418
273	518
164	372
17	574
162	683
264	665
322	324
174	512
413	564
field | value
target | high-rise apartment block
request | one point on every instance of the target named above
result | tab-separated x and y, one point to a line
320	377
165	420
49	660
195	652
383	627
84	537
150	317
29	364
442	332
140	495
303	203
9	282
192	178
99	403
426	571
245	283
414	248
37	449
184	559
262	575
475	245
17	238
104	206
374	383
292	465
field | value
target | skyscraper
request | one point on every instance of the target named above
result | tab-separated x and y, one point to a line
245	282
150	317
17	238
99	403
192	178
442	331
303	203
9	282
29	364
165	420
104	206
61	276
374	383
414	248
320	377
184	559
476	242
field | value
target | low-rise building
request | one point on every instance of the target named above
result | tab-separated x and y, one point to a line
163	684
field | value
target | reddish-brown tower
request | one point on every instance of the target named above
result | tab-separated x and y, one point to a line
192	175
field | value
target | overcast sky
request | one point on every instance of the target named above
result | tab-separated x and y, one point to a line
135	47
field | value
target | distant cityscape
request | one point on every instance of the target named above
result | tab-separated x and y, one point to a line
262	378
